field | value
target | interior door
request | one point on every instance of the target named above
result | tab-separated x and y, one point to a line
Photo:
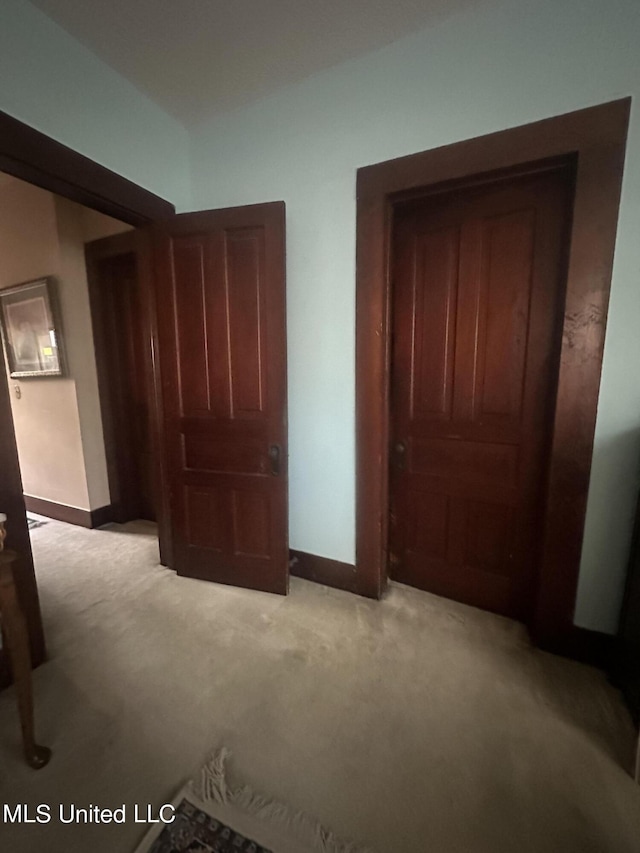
478	284
219	283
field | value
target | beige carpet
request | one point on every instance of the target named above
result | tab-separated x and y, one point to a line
413	724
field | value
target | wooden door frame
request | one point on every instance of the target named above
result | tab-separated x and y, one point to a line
595	138
115	246
32	156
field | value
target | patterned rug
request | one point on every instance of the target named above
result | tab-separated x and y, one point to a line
214	816
194	830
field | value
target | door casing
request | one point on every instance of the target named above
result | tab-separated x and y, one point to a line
32	156
126	485
595	140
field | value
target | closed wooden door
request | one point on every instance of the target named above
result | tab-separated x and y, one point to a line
219	281
478	278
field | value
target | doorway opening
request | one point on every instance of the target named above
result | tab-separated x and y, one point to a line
33	157
48	330
212	294
594	139
48	327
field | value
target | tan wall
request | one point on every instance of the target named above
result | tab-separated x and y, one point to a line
78	335
96	225
57	421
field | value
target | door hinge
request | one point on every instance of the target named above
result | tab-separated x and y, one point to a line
274	459
399	454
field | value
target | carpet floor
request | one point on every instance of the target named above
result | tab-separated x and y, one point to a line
412	724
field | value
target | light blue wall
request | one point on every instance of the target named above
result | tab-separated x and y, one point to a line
495	67
51	82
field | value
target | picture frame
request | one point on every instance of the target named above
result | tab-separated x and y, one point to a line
31	333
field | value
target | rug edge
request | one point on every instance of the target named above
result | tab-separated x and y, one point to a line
212	787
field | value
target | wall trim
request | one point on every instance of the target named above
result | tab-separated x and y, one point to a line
70	514
587	646
595	138
28	154
581	644
102	515
322	570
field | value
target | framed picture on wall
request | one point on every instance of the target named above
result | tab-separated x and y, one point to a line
30	333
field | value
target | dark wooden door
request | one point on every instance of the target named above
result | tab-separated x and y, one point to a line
219	279
122	340
478	279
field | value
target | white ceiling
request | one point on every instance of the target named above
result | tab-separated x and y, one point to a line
195	58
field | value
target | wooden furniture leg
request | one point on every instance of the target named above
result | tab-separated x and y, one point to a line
17	637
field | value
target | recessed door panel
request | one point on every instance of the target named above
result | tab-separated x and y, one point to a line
244	262
466	461
504	299
207	513
251	523
428	524
225	454
434	307
488	537
190	297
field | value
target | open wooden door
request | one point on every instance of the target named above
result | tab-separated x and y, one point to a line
219	286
